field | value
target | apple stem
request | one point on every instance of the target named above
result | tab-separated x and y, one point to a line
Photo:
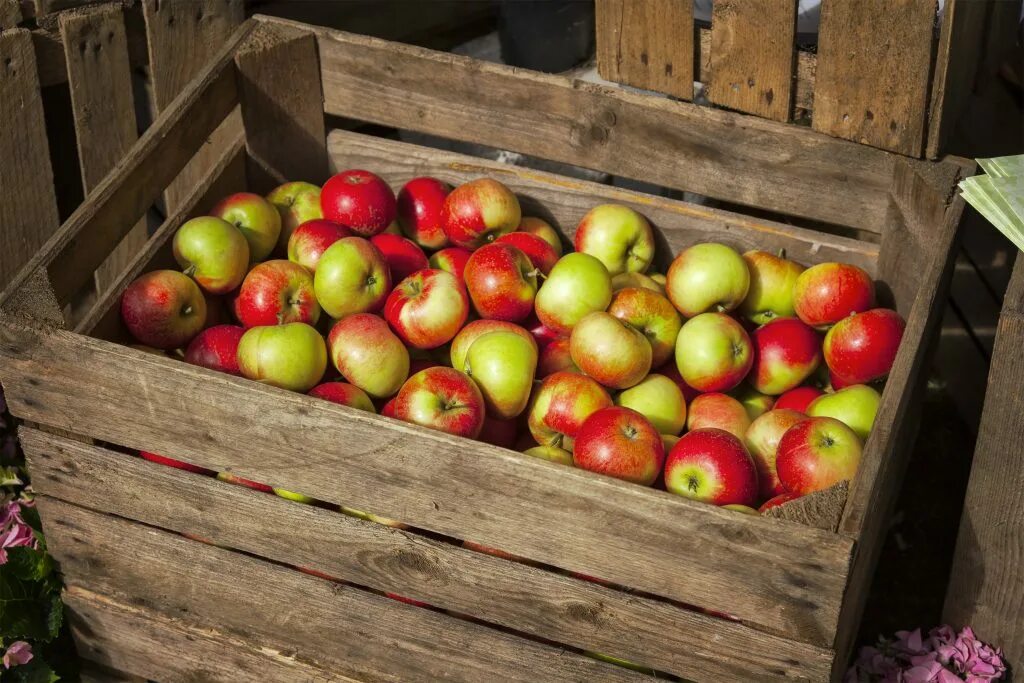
782	252
191	270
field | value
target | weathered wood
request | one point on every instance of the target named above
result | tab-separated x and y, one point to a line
72	255
564	201
646	44
821	509
28	211
524	598
90	672
332	625
986	586
874	58
100	81
753	50
10	14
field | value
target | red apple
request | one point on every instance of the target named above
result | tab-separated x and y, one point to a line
541	332
798	399
344	394
420	211
402	256
836	382
618	236
258	219
388	409
652	314
713	352
502	282
427	308
479	212
786	352
762	442
310	240
862	348
277	292
216	348
452	260
556	357
817	453
776	501
247	483
719	411
368	354
499	432
560	405
359	200
542	229
541	254
443	399
164	309
621	443
611	351
828	292
177	464
712	466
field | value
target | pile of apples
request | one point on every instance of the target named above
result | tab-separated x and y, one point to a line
448	309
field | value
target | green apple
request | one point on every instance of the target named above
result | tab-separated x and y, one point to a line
624	280
297	497
257	218
755	403
668	441
291	356
297	202
707	277
351	277
551	454
613	352
618	236
578	284
855	406
213	252
658	399
713	352
772	282
503	365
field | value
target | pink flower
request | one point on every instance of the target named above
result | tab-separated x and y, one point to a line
14	532
19	652
944	656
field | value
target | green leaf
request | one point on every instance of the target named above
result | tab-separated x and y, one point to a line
28	564
31	517
36	671
24	607
55	615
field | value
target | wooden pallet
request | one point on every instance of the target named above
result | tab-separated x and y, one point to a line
688	589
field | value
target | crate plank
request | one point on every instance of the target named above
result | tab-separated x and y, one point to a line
773	574
10	14
646	44
100	81
871	86
28	212
328	624
753	50
517	596
565	201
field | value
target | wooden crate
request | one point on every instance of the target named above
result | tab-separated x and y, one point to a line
871	78
689	589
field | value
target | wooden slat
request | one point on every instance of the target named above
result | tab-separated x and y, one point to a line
753	49
546	604
330	625
986	586
730	156
182	38
72	255
28	211
647	44
874	58
10	14
565	201
100	81
772	574
91	672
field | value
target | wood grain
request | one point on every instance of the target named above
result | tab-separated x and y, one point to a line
527	599
28	211
100	81
646	44
564	201
769	573
10	14
328	624
753	50
873	61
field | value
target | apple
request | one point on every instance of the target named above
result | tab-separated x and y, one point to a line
798	399
541	332
177	464
762	442
755	403
556	357
658	399
368	354
719	411
421	211
393	229
855	406
427	309
542	229
669	440
786	352
817	453
502	282
359	200
613	352
713	352
502	364
772	283
473	331
707	277
659	278
212	252
290	356
442	399
479	212
712	466
351	277
551	454
402	255
621	443
498	432
618	236
542	255
164	309
671	370
247	483
388	409
745	509
296	497
579	284
861	348
216	348
560	405
624	280
452	260
310	240
276	292
652	314
835	382
257	219
776	501
297	202
344	394
370	517
828	292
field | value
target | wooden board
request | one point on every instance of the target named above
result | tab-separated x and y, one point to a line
28	211
753	50
873	58
521	597
100	81
646	44
331	625
10	14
